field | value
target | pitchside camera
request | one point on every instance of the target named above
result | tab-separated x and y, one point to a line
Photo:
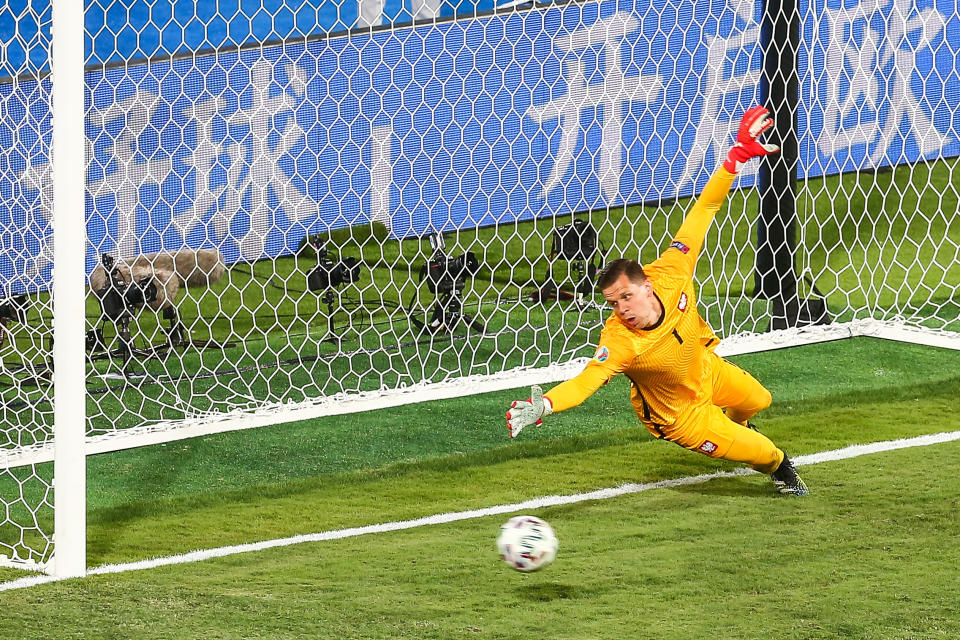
576	244
575	241
331	271
117	297
14	308
445	274
446	278
448	275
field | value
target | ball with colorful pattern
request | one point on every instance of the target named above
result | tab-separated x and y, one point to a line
527	543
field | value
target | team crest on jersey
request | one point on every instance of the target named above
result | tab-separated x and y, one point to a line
602	354
708	447
682	304
679	246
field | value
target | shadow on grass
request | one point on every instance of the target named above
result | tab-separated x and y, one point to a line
550	591
754	485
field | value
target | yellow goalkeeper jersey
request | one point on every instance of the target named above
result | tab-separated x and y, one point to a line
669	363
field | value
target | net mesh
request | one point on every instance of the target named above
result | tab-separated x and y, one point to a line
26	522
289	203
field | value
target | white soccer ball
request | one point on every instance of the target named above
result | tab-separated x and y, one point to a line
527	543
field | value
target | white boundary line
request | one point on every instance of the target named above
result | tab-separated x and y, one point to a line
853	451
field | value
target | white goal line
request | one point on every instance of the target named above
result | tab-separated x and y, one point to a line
845	453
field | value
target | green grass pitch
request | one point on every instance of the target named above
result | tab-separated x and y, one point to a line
870	554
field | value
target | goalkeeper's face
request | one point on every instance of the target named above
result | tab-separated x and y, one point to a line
634	302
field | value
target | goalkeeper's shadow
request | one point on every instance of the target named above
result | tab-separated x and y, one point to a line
753	485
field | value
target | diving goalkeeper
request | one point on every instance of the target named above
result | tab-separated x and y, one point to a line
682	391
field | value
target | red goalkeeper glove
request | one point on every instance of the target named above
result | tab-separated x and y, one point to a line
523	413
754	122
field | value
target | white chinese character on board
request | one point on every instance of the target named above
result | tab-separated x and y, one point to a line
858	52
39	177
127	170
715	131
205	160
609	97
253	169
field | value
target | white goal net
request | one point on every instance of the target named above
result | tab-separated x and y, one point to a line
295	209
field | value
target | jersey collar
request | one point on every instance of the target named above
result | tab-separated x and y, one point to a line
663	314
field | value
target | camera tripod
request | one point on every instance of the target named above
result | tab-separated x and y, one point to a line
331	337
126	351
446	314
582	277
576	244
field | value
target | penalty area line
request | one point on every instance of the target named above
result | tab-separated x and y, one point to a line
845	453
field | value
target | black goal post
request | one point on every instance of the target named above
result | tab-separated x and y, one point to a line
775	276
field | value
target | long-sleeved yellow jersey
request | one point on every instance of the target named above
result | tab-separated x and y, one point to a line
669	363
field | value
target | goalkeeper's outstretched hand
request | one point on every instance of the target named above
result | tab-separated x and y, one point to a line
754	122
523	413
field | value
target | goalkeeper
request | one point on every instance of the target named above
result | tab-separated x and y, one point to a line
682	391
